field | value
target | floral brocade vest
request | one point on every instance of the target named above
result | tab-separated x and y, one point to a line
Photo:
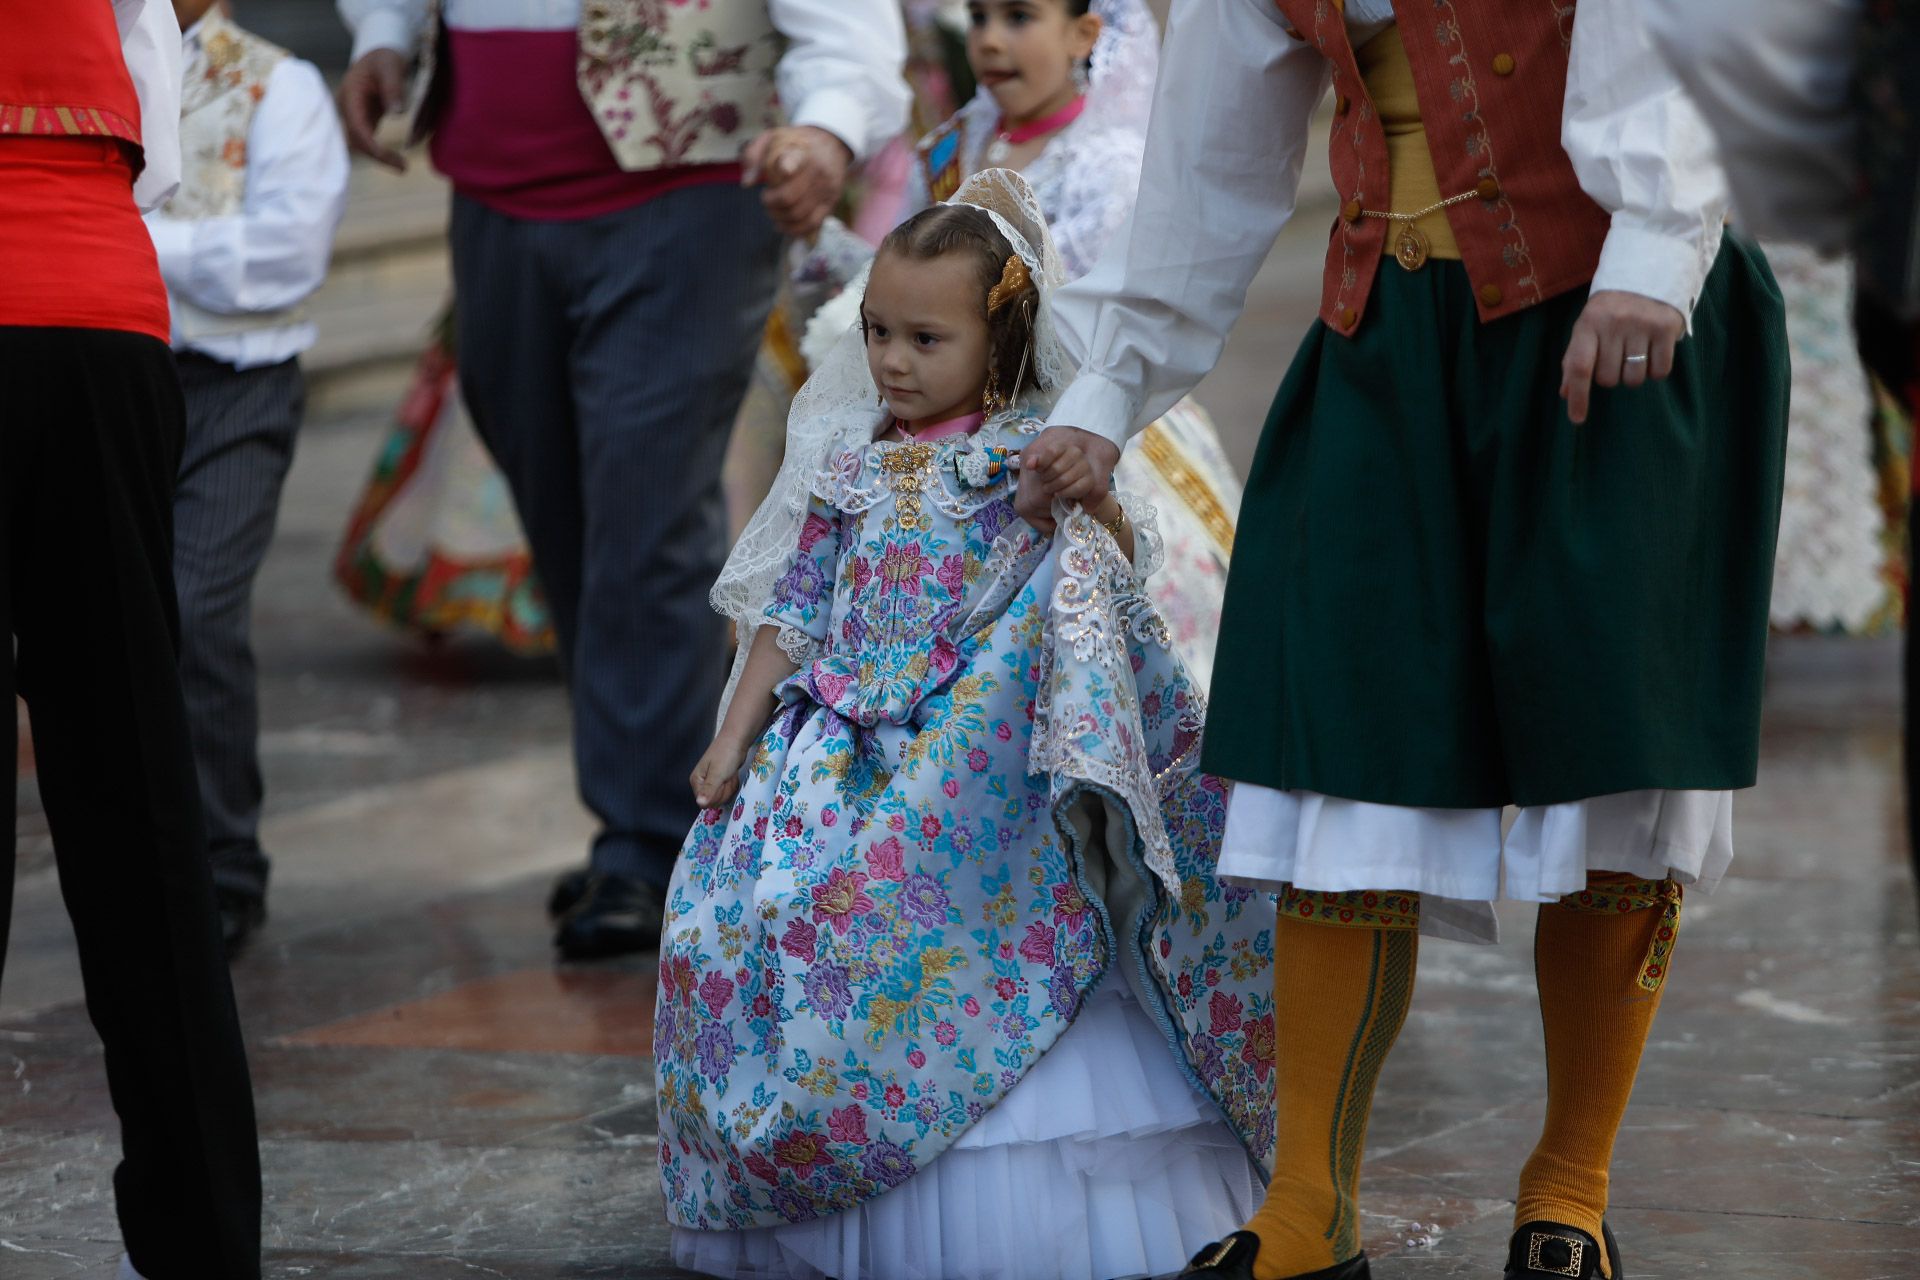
674	83
226	77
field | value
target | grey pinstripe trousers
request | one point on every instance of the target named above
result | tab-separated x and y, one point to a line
603	361
241	426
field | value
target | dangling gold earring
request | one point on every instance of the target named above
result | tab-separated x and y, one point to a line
993	399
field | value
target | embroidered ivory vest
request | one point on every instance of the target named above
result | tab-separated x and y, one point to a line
674	83
226	77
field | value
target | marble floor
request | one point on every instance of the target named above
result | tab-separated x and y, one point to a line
439	1100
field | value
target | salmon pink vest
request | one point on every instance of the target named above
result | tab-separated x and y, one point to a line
1491	78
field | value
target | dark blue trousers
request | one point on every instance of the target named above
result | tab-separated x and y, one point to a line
603	361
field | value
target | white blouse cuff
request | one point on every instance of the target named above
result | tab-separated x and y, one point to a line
383	29
841	114
1667	268
1098	404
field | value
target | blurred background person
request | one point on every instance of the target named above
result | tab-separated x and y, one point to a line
613	270
242	246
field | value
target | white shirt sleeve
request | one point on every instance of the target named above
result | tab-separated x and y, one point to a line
384	24
1772	77
1229	135
844	68
1642	151
150	43
273	253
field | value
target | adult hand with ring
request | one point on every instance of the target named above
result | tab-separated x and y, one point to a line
1614	326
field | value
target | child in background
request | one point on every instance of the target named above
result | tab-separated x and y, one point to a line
242	246
948	987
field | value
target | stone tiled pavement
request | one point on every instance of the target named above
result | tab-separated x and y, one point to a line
439	1100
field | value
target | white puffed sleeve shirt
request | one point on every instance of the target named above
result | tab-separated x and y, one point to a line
1230	123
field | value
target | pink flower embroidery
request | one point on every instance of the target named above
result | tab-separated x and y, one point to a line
848	1124
841	899
1224	1010
716	992
812	531
1037	946
888	860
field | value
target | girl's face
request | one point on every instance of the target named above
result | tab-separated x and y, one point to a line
1024	52
926	337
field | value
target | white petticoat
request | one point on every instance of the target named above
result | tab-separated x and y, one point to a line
1460	861
1103	1162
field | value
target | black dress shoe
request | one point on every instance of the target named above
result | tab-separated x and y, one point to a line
615	916
1554	1249
567	890
240	915
1232	1259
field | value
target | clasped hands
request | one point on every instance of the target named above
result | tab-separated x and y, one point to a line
1064	464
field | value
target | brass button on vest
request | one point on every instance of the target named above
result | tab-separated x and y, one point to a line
1348	317
1490	295
1489	189
1340	105
1503	64
1351	211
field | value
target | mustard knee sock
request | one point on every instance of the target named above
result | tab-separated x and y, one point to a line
1342	989
1601	960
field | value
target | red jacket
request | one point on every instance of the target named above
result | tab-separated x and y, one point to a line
1492	81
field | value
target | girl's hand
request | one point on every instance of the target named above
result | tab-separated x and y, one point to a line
716	779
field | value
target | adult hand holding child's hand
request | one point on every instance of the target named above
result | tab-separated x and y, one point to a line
1064	464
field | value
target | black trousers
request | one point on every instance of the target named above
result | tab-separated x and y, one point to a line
91	428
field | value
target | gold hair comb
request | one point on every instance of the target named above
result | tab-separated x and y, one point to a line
1014	281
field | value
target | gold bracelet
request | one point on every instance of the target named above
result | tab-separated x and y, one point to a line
1115	525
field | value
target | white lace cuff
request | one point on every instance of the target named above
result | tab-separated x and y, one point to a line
1149	547
796	644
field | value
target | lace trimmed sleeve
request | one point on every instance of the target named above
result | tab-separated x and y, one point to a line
802	604
1149	547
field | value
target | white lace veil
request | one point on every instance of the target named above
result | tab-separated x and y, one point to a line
1125	63
837	409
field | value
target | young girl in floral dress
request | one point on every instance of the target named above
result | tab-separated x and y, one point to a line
949	987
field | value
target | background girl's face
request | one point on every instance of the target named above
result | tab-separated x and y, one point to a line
1024	52
926	336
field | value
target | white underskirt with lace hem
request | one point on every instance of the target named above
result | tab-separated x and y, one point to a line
1103	1162
1462	860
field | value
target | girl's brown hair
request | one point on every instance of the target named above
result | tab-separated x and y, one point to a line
963	229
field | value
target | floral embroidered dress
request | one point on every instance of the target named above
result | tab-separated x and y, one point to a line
957	952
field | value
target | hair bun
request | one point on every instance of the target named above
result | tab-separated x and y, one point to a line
1014	281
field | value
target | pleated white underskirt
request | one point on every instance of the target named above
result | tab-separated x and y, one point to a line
1103	1162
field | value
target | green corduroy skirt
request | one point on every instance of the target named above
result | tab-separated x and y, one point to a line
1445	594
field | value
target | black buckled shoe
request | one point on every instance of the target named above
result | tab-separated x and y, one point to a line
616	916
1554	1249
568	889
1232	1259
